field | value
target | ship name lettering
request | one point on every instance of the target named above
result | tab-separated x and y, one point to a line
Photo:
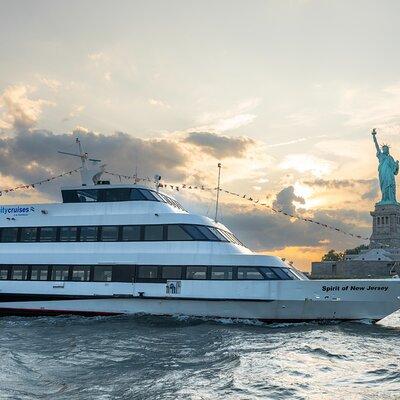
382	288
357	288
330	288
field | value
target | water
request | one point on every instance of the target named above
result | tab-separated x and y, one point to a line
185	358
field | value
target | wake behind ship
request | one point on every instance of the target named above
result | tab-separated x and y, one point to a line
128	249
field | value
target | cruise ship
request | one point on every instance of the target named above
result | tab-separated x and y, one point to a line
110	249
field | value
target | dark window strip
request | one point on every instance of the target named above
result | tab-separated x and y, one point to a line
105	195
67	234
137	273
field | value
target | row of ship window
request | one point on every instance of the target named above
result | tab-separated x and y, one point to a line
139	273
116	194
115	233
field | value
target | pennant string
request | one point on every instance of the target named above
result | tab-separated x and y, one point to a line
185	186
32	185
255	202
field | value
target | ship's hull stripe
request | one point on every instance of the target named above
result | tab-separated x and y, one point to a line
23	297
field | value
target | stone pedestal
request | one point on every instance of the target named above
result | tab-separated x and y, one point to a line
385	226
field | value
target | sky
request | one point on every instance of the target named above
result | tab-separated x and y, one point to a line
283	93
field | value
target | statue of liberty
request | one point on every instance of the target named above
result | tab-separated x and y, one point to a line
387	169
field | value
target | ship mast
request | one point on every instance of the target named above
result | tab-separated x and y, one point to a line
218	190
90	176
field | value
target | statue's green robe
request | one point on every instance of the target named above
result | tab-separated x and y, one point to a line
388	168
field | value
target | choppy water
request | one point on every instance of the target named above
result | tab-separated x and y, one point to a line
184	358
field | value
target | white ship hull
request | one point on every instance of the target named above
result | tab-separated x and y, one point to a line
271	301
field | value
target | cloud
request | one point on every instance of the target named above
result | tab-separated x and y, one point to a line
220	146
369	107
233	118
29	156
338	183
307	163
234	122
264	231
52	84
370	194
285	199
295	141
76	110
158	103
373	191
20	112
98	57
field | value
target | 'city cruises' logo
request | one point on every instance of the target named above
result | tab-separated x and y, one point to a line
16	210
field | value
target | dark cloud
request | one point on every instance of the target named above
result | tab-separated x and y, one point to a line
337	183
32	155
261	230
220	146
285	198
372	192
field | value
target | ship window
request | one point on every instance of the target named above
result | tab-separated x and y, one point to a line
81	273
153	232
176	232
121	194
171	272
68	233
207	233
4	273
131	232
137	195
28	234
157	196
147	272
60	273
291	274
9	235
39	273
230	236
218	234
19	273
378	220
88	195
273	274
222	273
48	234
89	233
196	272
252	273
123	273
147	194
102	273
194	232
70	196
109	233
386	220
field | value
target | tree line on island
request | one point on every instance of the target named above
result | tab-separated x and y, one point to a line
333	255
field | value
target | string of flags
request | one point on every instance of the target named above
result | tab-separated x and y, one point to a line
249	198
184	186
34	184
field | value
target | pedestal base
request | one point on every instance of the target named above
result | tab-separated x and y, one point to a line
386	226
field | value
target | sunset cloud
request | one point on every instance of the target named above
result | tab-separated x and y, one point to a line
220	146
18	110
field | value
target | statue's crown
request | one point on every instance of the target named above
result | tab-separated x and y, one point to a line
385	145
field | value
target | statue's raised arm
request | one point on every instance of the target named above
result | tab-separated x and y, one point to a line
378	149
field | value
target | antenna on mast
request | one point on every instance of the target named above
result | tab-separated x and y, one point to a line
218	190
89	176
